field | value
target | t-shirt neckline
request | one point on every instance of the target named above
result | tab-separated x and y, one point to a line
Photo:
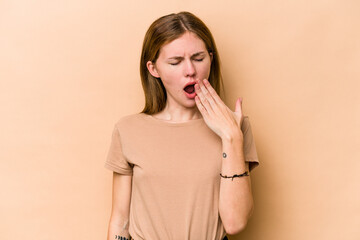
167	123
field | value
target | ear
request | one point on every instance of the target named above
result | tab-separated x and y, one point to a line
211	56
152	69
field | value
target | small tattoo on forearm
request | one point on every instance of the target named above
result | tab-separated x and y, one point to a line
224	155
121	238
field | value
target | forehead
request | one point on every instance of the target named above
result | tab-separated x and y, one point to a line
187	44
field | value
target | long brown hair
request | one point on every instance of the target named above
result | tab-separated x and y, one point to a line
162	31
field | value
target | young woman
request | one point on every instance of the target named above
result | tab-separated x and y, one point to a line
181	166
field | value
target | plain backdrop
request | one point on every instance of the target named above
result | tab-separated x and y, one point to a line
70	69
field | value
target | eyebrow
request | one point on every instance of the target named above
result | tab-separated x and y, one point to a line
194	55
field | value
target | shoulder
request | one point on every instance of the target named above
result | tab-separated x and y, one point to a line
129	120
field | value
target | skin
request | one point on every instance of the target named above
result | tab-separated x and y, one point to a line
183	60
193	62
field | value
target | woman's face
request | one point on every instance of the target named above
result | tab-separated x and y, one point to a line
181	62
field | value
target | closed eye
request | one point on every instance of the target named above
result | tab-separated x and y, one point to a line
198	60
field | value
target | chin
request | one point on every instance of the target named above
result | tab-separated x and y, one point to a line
191	103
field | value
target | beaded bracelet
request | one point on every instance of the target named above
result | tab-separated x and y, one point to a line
246	173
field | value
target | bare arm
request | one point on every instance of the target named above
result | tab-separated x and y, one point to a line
236	200
121	197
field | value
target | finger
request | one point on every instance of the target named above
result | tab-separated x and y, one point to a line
203	99
239	109
238	105
208	94
214	94
201	107
219	105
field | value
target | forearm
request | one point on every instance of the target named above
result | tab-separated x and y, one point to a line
118	229
235	200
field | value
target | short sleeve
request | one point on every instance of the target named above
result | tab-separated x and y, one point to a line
115	160
249	145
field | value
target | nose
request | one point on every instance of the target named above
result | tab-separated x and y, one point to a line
190	70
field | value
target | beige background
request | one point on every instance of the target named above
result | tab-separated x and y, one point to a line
69	70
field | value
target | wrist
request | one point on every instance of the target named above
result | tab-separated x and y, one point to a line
233	136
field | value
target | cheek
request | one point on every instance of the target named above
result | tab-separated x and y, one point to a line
171	78
204	69
165	73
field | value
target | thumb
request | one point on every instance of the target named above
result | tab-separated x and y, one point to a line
238	105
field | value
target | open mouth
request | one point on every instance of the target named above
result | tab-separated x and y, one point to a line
190	89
